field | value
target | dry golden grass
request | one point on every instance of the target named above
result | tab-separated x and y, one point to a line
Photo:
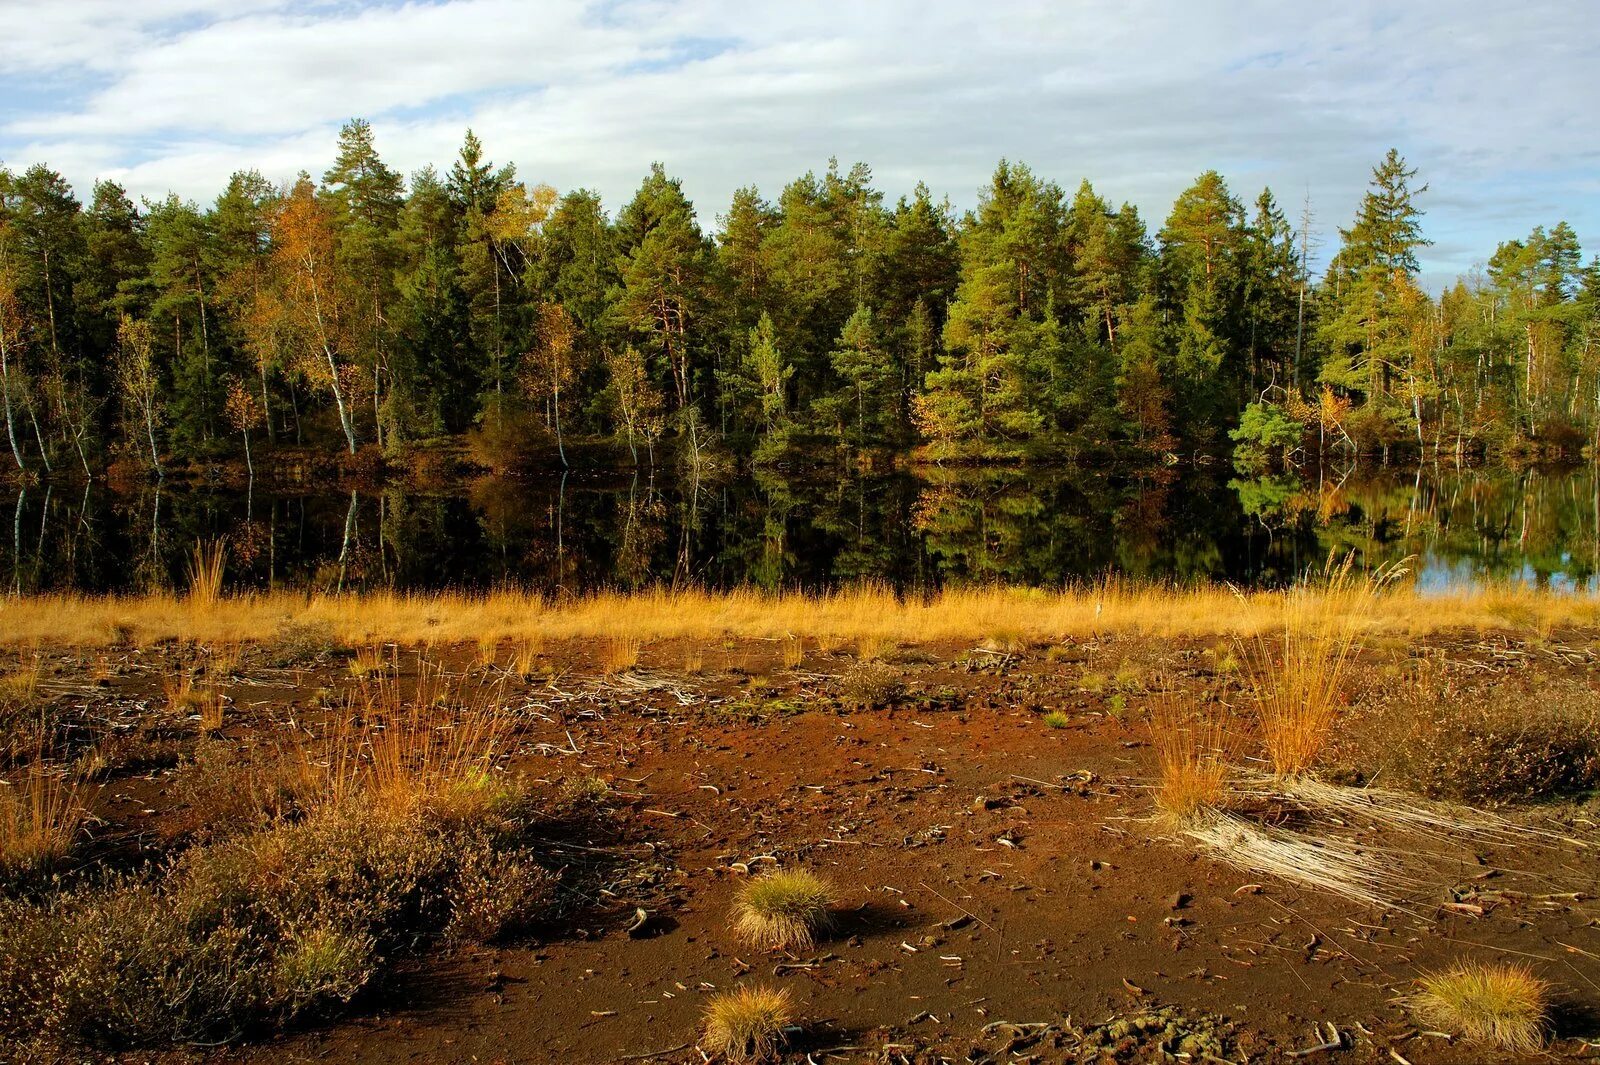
206	565
19	687
746	1025
525	655
1297	670
783	910
430	740
367	662
619	653
1496	1004
1192	753
39	822
209	704
873	647
694	662
488	652
827	621
223	658
794	650
185	700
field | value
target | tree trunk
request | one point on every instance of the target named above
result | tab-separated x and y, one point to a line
5	390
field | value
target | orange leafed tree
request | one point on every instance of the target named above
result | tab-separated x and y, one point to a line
316	299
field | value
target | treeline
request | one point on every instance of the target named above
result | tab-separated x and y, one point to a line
366	312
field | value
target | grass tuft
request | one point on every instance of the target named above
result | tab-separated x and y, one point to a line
367	662
1498	1004
619	653
746	1024
783	910
1297	670
39	823
206	565
1192	753
525	656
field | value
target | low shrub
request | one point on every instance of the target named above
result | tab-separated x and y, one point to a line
872	685
1485	746
300	643
256	930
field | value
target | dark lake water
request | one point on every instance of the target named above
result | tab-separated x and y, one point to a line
1034	526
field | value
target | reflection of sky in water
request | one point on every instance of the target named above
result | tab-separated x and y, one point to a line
1437	576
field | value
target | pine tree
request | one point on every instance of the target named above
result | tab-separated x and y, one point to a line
1201	247
664	265
870	379
367	198
1370	292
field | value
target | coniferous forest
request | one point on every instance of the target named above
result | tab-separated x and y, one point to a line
364	313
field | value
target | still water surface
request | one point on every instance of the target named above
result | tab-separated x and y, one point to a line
1036	526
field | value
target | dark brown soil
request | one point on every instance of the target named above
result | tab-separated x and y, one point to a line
1003	886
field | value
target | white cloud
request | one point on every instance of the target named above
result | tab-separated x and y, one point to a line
1492	103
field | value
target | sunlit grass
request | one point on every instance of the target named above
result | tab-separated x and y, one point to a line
783	910
827	621
19	687
1192	759
429	740
746	1025
1298	668
40	818
367	662
525	654
619	653
206	565
1497	1004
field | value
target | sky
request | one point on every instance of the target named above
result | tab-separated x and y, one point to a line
1493	102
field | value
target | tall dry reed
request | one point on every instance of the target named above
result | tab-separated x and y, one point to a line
1192	756
1298	668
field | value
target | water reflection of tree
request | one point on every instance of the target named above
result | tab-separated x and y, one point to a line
1483	524
1038	526
641	530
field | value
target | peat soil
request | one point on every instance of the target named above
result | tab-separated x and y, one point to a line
1004	891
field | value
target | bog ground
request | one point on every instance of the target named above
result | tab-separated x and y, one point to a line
1004	887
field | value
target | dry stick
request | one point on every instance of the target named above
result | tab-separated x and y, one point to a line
958	909
655	1053
1320	932
1332	1044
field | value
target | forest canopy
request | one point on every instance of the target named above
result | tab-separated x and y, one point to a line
364	310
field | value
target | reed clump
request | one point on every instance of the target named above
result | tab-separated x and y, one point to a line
783	910
619	653
747	1025
207	562
1496	1004
1192	756
1299	667
41	818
